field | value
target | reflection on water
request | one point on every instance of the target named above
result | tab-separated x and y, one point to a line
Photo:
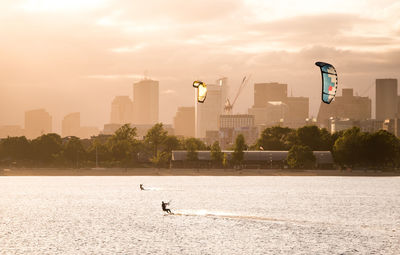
212	215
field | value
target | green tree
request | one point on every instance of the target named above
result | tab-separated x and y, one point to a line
381	149
155	137
161	160
16	148
46	148
122	145
315	138
197	143
300	156
349	149
171	143
99	150
192	146
240	146
216	154
276	138
74	151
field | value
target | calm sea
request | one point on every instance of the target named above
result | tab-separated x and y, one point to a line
213	215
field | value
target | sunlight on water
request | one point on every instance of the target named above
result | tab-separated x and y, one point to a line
212	215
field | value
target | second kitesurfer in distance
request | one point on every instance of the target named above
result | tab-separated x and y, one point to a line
141	187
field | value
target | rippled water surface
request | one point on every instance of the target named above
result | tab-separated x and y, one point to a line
213	215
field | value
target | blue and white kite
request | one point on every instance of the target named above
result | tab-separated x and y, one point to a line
329	81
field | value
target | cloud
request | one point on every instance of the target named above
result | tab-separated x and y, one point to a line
116	76
168	91
134	48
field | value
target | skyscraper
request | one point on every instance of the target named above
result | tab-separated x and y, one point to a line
71	124
184	122
264	92
386	99
121	110
207	113
145	102
345	106
37	123
223	83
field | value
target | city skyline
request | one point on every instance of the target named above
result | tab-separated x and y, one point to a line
64	66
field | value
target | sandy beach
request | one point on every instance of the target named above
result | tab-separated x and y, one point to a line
188	172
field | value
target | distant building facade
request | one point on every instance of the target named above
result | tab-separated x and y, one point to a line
145	102
37	123
386	99
121	110
346	106
236	120
71	124
184	122
264	92
392	126
297	111
207	113
109	129
231	125
272	106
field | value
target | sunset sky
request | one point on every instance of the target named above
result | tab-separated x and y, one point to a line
74	55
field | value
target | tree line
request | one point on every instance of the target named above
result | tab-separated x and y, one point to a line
350	148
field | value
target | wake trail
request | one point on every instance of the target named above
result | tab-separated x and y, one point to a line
230	216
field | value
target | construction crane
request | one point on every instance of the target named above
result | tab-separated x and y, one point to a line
228	105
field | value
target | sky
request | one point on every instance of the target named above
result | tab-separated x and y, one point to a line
75	55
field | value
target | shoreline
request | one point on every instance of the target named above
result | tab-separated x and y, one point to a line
189	172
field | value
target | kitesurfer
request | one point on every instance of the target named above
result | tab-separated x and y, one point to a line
164	207
141	187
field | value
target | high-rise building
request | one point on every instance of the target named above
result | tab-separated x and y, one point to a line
386	99
109	129
121	110
297	113
71	124
236	120
223	83
207	113
272	106
37	123
184	122
346	106
264	92
145	102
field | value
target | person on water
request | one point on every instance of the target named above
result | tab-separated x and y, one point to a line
141	187
164	207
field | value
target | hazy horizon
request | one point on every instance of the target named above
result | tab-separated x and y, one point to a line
67	56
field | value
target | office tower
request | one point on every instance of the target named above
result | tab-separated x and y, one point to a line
264	92
121	110
223	83
145	102
71	124
236	120
184	122
207	113
345	106
297	113
37	123
386	99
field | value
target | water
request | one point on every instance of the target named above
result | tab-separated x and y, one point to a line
214	215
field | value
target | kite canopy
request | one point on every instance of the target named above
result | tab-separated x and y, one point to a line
196	84
329	81
201	91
